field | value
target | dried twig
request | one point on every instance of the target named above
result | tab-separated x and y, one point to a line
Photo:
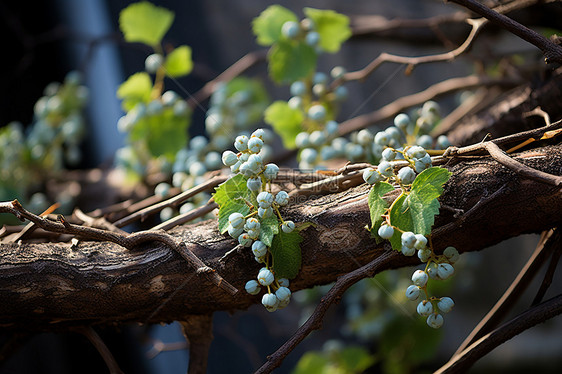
513	293
487	343
552	51
186	217
100	346
198	330
314	322
553	264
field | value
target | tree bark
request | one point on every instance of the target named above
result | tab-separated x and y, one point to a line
52	285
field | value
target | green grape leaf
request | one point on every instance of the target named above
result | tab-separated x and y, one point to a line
286	252
290	60
285	120
178	62
333	28
355	359
268	229
267	26
136	89
230	196
164	133
145	23
416	211
377	205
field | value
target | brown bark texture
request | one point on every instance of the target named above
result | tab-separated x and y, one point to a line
52	286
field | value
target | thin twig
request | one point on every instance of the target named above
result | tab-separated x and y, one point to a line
512	294
549	275
444	87
314	322
487	343
552	51
178	199
186	217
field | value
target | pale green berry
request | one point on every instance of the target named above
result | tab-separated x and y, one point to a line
317	112
309	155
331	127
388	154
259	249
364	137
254	184
317	138
153	62
419	278
408	239
282	198
385	168
406	175
290	29
413	292
402	121
408	251
283	282
337	72
270	302
302	140
432	270
265	277
386	231
271	171
319	78
265	199
283	293
288	226
245	240
435	320
252	223
425	308
452	254
298	88
445	304
241	143
235	232
254	233
255	144
424	255
265	212
372	176
421	241
252	287
236	220
425	141
162	189
445	270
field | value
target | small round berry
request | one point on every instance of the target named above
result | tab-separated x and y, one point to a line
421	241
372	176
341	93
425	308
255	144
283	293
445	270
388	154
327	152
198	143
265	277
153	62
385	168
154	108
254	233
213	160
252	287
393	133
255	163
162	189
331	127
260	133
381	138
180	108
283	282
270	302
424	255
416	151
241	143
312	38
302	140
236	167
364	137
235	232
265	212
337	72
317	138
317	112
252	223
298	88
430	108
259	249
282	198
197	169
445	304
288	226
408	239
290	29
443	142
406	175
169	98
295	102
412	292
271	171
402	121
452	254
245	240
354	151
432	270
435	320
386	231
265	199
319	89
407	251
419	278
320	78
309	155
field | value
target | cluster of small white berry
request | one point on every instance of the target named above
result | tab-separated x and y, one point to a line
246	229
438	267
303	30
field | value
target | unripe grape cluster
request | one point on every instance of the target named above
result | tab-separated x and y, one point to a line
305	31
49	144
246	229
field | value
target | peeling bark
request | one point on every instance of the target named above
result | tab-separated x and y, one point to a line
51	286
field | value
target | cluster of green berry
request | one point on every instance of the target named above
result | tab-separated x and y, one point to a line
263	205
49	144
